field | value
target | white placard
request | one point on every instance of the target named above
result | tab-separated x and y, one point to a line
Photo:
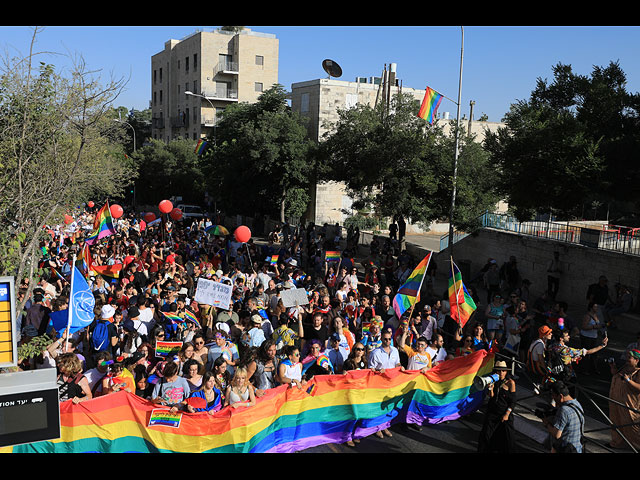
290	296
213	293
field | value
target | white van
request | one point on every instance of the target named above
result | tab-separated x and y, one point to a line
192	211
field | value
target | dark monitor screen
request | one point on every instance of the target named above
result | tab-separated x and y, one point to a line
29	417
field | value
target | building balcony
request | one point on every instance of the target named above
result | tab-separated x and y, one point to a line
221	94
230	68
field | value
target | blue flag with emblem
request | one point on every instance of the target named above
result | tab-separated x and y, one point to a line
81	304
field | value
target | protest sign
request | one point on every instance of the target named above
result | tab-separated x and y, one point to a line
213	293
165	418
290	296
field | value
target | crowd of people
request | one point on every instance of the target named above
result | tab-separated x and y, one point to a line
231	356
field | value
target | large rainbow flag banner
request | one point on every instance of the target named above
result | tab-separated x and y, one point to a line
461	304
409	293
102	225
329	409
430	104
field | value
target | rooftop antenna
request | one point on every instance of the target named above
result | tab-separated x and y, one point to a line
332	68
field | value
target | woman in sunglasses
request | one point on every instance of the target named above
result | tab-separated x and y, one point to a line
357	359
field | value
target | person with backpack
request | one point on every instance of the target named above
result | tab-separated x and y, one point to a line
103	334
567	425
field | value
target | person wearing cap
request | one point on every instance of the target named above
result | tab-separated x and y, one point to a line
106	320
536	363
255	336
497	435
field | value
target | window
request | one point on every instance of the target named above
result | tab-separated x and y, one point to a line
160	75
155	98
259	60
195	86
195	61
186	64
258	86
160	97
304	102
154	76
351	100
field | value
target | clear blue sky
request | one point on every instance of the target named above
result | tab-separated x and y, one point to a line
500	64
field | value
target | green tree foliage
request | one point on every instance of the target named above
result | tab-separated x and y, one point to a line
396	165
56	152
169	169
575	141
263	156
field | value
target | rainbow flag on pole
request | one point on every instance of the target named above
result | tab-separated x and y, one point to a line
409	293
461	304
102	225
200	146
430	105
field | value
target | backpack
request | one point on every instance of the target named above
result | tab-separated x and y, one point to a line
100	337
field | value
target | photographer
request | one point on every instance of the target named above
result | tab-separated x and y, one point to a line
566	423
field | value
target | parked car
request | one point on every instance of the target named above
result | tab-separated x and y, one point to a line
192	211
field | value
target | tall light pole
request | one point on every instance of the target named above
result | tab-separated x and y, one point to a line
212	107
455	158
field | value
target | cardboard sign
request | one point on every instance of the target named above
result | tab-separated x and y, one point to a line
213	293
290	296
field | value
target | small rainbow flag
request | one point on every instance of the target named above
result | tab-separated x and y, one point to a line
167	349
274	259
332	256
461	304
189	316
102	225
409	293
112	271
164	418
200	146
430	105
58	274
173	318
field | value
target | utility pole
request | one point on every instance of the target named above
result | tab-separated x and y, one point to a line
457	151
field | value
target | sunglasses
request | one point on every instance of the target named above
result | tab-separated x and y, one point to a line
359	349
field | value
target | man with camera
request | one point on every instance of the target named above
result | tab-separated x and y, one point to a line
566	422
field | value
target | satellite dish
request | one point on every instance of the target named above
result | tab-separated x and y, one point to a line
332	68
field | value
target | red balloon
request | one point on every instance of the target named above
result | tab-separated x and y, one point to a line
116	210
176	214
165	206
90	204
149	217
242	234
68	219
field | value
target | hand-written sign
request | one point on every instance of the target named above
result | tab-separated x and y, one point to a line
213	293
291	296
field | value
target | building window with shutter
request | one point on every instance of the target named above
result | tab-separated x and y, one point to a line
258	87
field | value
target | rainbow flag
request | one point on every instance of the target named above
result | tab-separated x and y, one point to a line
189	316
173	318
58	274
430	105
409	293
112	271
102	225
461	304
165	418
200	146
274	259
338	408
332	256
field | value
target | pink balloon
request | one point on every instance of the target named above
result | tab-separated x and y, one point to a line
149	217
116	210
165	206
176	214
242	234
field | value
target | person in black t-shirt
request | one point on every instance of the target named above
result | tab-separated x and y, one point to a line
317	331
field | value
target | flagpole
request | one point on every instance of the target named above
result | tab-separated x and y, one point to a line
453	276
455	161
70	308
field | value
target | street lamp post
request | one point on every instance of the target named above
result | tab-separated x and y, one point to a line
212	107
457	152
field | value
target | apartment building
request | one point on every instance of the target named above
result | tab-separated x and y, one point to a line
194	79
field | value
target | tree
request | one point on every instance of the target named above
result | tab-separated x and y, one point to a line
575	141
397	166
263	156
56	151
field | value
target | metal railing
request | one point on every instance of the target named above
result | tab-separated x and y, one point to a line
612	238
